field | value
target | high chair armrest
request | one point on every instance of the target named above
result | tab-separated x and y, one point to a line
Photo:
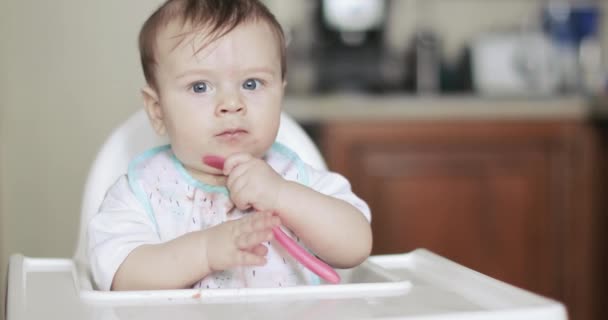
40	288
15	289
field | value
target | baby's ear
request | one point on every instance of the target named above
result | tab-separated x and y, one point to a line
154	110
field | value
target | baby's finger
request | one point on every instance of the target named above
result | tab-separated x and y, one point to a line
235	160
236	173
249	240
246	258
241	204
265	221
259	250
245	224
258	222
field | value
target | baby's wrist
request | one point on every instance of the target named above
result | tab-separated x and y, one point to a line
203	254
282	201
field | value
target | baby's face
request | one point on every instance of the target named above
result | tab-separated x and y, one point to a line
222	100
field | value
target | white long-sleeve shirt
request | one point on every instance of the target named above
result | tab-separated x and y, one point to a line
157	201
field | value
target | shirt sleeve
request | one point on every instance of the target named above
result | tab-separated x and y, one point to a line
335	185
120	226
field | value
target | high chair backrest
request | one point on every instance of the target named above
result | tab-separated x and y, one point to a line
135	136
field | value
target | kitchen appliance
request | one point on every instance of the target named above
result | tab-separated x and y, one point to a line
515	64
348	46
574	30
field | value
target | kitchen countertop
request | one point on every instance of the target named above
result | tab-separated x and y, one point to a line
323	108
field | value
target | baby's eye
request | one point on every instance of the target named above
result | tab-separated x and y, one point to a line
199	87
251	84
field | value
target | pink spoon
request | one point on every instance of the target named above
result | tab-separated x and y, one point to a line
315	265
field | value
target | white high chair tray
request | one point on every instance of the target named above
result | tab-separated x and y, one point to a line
415	285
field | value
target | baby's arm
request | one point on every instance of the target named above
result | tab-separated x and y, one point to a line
182	262
126	252
332	228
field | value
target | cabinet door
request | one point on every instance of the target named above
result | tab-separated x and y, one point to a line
496	197
483	208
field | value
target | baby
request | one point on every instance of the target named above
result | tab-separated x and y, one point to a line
215	72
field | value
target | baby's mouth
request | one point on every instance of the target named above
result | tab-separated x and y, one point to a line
231	134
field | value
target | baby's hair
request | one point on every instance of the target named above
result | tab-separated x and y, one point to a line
215	17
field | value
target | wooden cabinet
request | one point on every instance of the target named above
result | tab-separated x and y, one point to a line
514	200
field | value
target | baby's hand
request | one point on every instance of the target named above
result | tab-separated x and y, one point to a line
252	182
239	242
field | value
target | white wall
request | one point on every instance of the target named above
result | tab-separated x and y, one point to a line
69	72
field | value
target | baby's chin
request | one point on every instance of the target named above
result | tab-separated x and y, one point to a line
255	152
206	175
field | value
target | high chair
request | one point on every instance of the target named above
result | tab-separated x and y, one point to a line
414	285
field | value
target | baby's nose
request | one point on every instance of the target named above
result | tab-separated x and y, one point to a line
231	104
229	108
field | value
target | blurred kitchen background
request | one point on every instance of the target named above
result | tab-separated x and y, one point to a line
474	128
493	48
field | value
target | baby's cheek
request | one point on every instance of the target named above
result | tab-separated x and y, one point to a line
185	151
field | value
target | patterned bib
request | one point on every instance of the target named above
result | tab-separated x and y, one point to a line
178	204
